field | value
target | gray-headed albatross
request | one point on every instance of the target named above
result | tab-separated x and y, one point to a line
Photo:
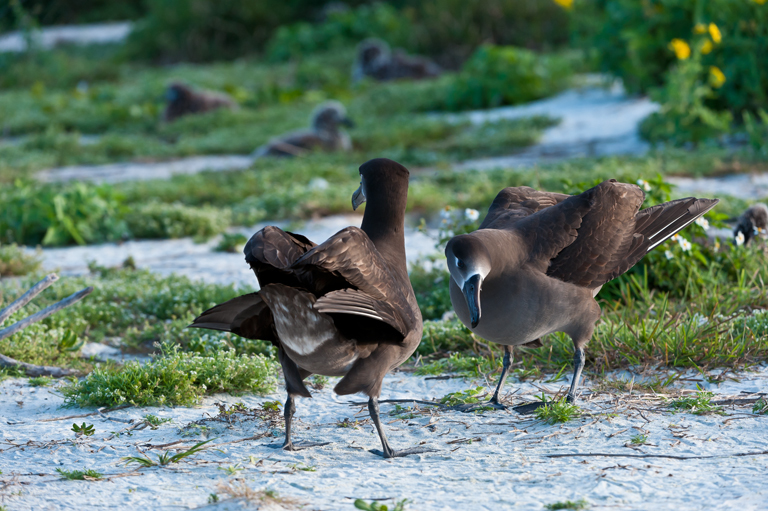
538	260
342	308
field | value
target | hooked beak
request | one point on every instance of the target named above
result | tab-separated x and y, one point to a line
358	197
349	123
472	296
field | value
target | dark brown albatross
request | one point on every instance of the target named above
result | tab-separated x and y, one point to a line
539	259
342	308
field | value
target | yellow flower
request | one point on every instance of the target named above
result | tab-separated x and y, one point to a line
681	48
716	77
700	28
707	47
567	4
714	32
759	2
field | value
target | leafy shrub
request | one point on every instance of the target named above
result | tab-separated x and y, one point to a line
342	28
158	220
497	75
15	261
79	213
173	378
206	30
631	40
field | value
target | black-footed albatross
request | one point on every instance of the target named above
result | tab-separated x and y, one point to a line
753	223
325	133
182	100
376	60
342	308
538	260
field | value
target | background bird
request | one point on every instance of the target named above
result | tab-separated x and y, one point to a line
753	223
376	60
539	259
325	133
342	308
183	100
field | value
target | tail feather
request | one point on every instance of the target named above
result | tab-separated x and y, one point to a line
247	316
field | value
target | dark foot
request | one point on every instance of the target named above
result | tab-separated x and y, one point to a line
529	408
298	446
402	452
477	407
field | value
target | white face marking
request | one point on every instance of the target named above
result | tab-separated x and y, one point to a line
462	271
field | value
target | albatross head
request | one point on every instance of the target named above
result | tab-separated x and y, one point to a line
469	263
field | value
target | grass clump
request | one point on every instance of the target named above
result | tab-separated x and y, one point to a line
40	381
157	220
760	407
15	261
376	506
568	504
463	397
639	439
231	243
80	475
556	411
154	421
166	458
173	378
700	404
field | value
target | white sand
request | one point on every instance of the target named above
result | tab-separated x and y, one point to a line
504	467
50	37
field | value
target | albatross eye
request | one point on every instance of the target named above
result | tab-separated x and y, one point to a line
460	264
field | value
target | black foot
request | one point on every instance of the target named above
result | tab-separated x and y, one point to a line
402	452
298	446
529	408
473	407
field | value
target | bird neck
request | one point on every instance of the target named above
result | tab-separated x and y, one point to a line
384	223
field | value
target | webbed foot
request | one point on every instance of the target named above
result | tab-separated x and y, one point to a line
529	408
391	453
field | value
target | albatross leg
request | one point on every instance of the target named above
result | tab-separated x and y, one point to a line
288	445
495	401
578	365
387	451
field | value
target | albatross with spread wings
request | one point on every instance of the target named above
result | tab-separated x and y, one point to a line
539	259
342	308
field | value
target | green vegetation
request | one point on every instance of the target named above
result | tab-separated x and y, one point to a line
40	381
83	429
80	475
699	404
568	504
166	458
173	378
154	421
469	396
639	439
555	411
376	506
760	407
15	261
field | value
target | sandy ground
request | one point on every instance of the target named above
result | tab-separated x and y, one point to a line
496	460
50	37
199	261
743	186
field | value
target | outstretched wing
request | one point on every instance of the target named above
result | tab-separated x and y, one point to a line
593	237
348	261
272	251
515	203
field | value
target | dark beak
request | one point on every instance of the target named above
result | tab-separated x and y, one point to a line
472	295
349	123
358	198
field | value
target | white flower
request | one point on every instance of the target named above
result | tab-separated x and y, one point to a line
471	214
642	183
739	239
675	237
445	214
703	223
668	254
685	244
